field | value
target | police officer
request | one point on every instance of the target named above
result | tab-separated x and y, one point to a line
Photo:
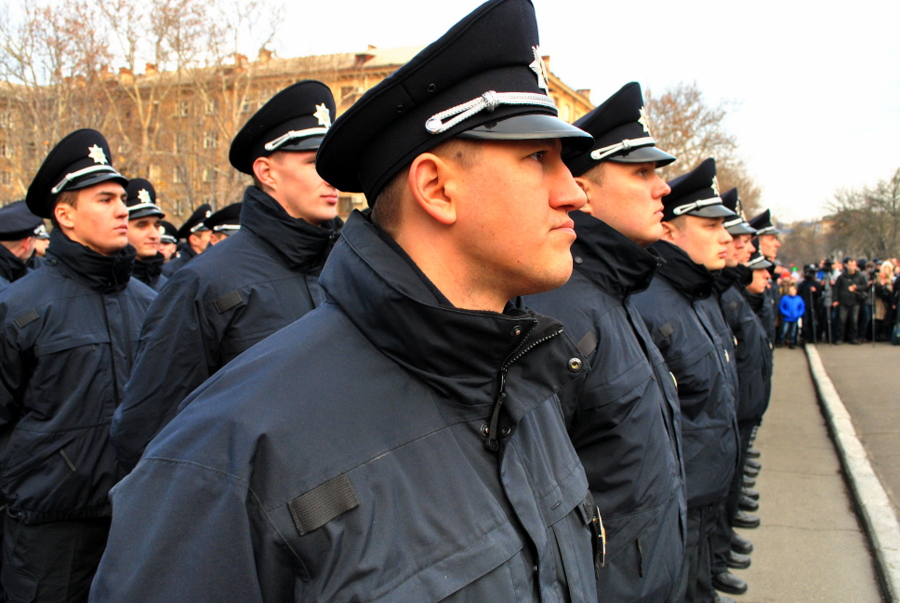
730	550
18	228
624	414
250	285
69	332
168	239
768	244
440	469
144	217
224	222
689	335
196	237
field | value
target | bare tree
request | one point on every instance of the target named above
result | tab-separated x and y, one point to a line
687	127
867	220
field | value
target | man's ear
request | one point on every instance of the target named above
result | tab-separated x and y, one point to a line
587	186
669	231
262	169
63	212
433	184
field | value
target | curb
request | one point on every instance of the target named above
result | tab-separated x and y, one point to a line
879	520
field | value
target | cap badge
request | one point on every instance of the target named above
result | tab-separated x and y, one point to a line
715	186
144	196
645	123
540	70
96	153
323	115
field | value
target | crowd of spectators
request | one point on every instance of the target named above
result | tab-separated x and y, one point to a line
837	301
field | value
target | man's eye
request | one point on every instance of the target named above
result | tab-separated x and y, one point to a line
538	156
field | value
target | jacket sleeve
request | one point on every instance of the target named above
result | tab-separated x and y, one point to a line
171	362
182	532
12	368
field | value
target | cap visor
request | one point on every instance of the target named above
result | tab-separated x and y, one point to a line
761	264
644	155
304	144
535	126
769	230
741	229
96	179
712	211
145	213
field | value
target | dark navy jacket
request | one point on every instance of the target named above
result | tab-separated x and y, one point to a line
753	351
184	255
690	342
11	267
258	280
149	272
69	336
345	459
623	416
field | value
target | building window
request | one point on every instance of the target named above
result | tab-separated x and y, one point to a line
153	173
211	107
209	174
5	178
5	150
211	140
246	106
184	108
176	176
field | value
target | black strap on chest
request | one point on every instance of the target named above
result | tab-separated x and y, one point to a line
320	505
227	302
27	318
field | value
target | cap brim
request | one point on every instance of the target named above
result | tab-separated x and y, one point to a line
741	229
96	179
304	144
761	264
712	211
534	126
145	213
644	155
769	230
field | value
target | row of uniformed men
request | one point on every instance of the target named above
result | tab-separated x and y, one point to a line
470	447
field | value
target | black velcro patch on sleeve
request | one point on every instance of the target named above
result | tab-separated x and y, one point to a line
227	302
666	330
320	505
588	344
27	318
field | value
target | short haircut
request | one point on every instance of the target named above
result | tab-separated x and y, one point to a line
387	207
595	174
69	198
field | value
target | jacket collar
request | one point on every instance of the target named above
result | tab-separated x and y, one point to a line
147	271
692	280
302	245
11	267
458	352
101	273
611	260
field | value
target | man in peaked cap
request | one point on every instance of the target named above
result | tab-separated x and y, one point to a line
682	314
144	217
623	415
754	367
441	470
224	222
258	280
18	228
68	334
196	237
168	239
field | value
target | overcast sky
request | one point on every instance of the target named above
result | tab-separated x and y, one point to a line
816	88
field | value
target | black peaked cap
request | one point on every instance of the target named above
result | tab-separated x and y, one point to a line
168	232
695	194
738	224
195	222
226	218
621	133
79	160
483	79
763	224
17	222
758	262
141	199
295	119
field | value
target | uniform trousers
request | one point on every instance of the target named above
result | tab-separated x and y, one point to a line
721	539
695	585
52	562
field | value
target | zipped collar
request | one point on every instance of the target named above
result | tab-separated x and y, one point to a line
101	273
612	261
147	271
11	267
691	279
302	245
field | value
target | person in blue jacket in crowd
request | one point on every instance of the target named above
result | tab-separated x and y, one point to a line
792	308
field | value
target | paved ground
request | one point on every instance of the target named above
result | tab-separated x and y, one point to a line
867	378
810	547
